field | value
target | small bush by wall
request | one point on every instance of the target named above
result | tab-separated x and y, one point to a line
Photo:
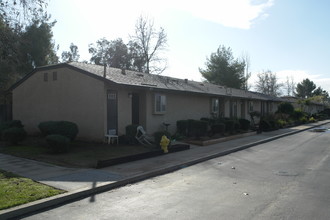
130	134
182	127
244	124
58	143
230	126
218	128
264	125
14	135
286	108
65	128
198	128
10	124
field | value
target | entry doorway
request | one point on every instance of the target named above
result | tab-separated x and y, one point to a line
112	110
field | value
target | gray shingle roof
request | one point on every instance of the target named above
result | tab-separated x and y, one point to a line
133	78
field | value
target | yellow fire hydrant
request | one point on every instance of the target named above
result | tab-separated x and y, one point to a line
164	142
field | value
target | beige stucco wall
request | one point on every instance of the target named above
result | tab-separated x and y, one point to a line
180	106
73	97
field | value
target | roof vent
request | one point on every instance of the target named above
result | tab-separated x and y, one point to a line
123	71
139	74
186	80
105	71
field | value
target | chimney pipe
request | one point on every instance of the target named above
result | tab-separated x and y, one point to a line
123	71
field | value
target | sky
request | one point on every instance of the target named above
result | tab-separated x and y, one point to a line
288	37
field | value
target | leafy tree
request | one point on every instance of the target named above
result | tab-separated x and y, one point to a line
37	45
223	69
23	49
16	13
112	53
305	88
148	44
72	55
268	84
320	92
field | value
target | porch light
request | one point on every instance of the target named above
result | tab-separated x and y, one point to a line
130	95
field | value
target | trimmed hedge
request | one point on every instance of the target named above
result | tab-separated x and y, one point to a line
182	127
218	128
65	128
192	128
58	143
14	135
286	108
9	124
230	125
198	128
244	124
264	125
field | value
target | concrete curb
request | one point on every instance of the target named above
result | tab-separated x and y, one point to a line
85	192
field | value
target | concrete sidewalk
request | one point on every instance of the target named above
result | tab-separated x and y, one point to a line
84	182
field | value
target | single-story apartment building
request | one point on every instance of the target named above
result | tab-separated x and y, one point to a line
99	98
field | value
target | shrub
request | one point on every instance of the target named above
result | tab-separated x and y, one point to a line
58	143
273	125
264	125
158	136
65	128
297	113
229	124
182	127
131	130
312	119
236	126
286	108
130	134
244	124
10	124
281	123
218	128
198	128
303	120
14	135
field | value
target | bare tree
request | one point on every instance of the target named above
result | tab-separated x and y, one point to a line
247	74
268	83
290	86
150	43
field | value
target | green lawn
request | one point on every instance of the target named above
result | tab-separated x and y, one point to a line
16	190
81	154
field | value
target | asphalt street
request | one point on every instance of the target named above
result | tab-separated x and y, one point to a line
287	178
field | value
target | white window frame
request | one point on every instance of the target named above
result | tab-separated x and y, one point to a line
215	106
160	104
251	106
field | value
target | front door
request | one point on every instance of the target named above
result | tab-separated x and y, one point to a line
112	114
135	109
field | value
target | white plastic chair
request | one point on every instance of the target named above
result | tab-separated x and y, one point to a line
142	136
111	136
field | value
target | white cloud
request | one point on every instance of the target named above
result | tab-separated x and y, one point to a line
230	13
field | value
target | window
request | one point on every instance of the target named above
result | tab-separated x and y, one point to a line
54	76
215	106
250	106
160	104
233	109
45	77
